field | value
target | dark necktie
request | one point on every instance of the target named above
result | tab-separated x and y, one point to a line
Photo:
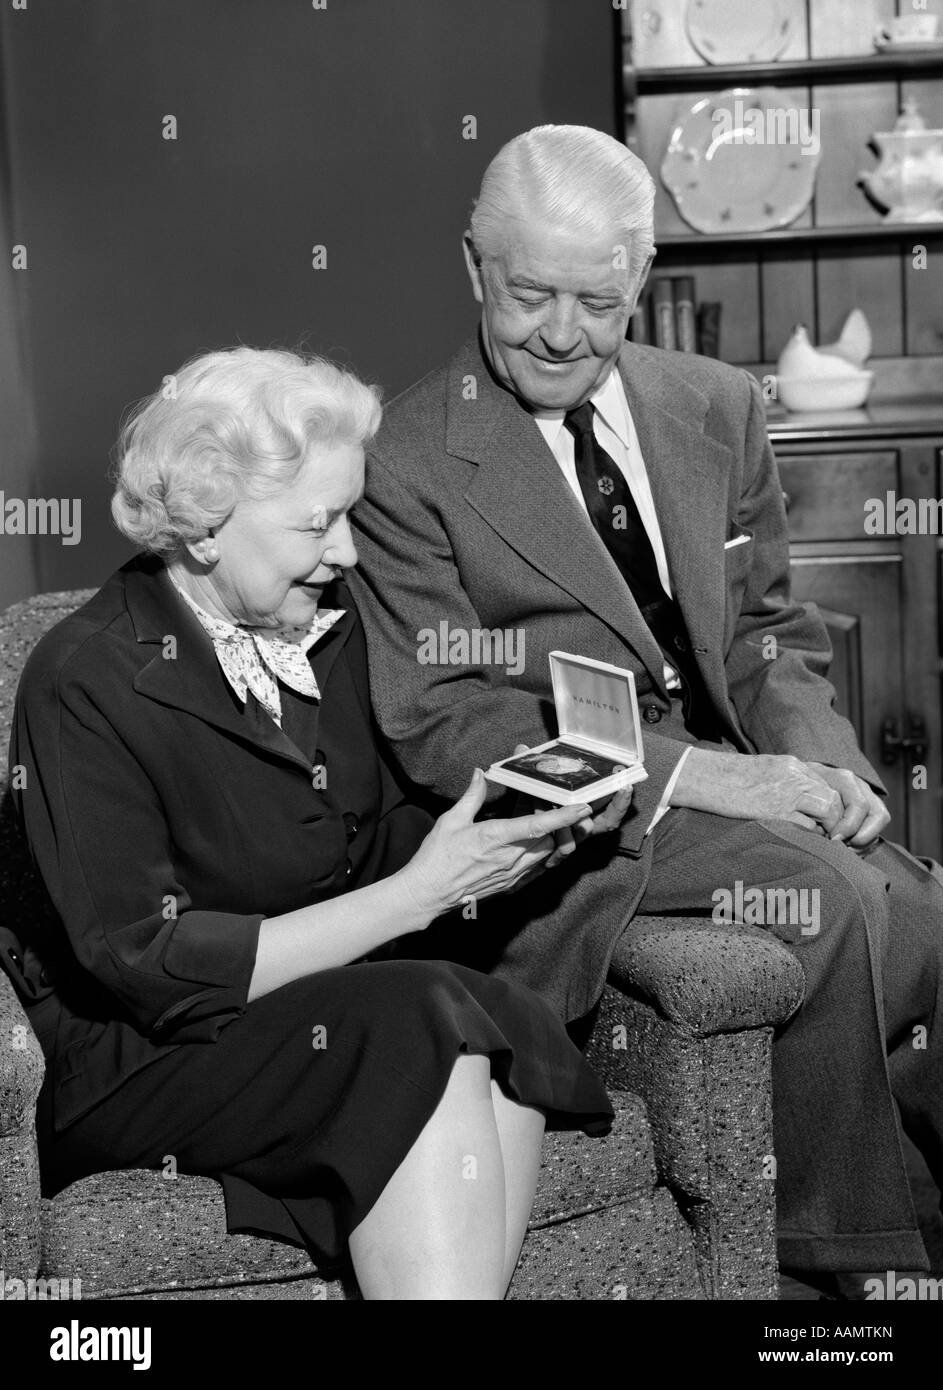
615	515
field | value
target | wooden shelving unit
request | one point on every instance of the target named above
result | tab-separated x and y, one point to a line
840	253
788	236
805	71
880	595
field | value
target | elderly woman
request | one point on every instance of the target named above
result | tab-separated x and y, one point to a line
231	860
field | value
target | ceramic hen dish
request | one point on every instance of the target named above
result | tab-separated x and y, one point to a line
932	46
832	377
741	161
801	394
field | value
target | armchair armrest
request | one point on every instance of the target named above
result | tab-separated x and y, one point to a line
22	1067
687	1024
708	978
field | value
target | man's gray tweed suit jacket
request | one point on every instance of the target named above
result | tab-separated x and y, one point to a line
468	520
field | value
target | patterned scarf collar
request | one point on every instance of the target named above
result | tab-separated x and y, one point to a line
253	662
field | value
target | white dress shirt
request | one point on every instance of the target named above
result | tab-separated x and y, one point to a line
614	429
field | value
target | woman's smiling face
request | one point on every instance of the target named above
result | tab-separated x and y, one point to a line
276	554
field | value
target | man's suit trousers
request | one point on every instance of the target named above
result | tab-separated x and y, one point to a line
867	1039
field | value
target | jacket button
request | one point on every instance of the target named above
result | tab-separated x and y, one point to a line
651	714
351	824
680	643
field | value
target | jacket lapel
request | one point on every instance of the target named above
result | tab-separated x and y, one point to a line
190	678
687	471
325	653
520	492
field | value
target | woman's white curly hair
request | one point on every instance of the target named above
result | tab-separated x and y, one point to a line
227	426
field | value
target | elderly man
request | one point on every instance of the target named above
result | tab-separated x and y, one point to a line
622	502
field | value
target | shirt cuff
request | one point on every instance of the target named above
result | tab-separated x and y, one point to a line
663	805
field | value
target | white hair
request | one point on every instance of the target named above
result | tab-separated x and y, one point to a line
226	426
568	175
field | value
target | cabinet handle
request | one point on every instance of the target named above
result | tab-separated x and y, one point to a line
787	500
914	744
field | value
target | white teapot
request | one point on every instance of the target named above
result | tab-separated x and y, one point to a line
909	179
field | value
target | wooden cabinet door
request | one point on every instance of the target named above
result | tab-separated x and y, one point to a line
859	592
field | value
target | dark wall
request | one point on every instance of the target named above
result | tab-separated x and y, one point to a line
296	126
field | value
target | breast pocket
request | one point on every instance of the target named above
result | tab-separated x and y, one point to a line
738	559
738	554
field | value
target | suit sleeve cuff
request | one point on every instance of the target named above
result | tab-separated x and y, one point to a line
664	804
222	961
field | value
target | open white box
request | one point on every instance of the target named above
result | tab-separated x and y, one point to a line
599	748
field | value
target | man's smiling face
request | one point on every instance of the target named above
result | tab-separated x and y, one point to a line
554	310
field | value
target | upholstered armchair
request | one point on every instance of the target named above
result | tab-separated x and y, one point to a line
675	1204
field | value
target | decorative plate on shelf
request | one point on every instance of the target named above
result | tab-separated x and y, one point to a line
743	160
738	31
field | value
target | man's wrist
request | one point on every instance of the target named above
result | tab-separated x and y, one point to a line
666	802
699	772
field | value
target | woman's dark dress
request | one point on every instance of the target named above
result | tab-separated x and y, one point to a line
305	1101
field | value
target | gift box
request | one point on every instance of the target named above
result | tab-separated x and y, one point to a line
599	747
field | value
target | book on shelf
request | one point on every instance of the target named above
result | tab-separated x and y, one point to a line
663	313
685	313
669	316
708	328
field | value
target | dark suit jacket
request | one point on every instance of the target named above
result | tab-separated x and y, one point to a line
166	822
468	519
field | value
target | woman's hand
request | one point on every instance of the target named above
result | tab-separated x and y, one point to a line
457	860
461	859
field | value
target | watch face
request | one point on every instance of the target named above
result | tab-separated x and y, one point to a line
564	766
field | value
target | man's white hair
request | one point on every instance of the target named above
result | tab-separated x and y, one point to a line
568	175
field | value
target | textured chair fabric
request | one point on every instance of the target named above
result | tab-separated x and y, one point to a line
709	1104
707	978
141	1232
702	1001
602	1225
21	1074
672	1205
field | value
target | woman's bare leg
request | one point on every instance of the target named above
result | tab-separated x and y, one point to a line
438	1229
521	1132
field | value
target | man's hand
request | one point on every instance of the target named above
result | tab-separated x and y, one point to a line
761	786
864	815
608	818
